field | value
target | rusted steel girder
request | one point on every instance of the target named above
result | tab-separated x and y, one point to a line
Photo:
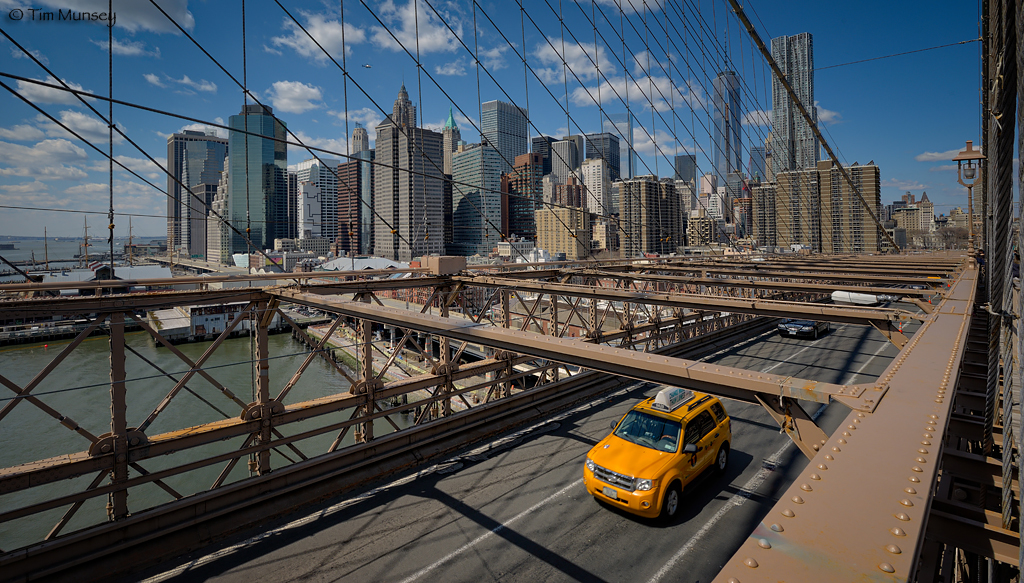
731	382
874	476
774	308
885	278
763	283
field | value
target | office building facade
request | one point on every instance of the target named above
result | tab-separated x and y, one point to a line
605	146
505	128
476	200
193	158
726	146
258	169
794	145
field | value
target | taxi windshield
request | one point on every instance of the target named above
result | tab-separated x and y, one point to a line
650	431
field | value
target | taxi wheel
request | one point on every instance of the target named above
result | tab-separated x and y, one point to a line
670	505
722	460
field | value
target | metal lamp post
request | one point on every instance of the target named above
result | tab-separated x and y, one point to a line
969	171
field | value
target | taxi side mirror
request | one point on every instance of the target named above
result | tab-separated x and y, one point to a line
614	423
690	448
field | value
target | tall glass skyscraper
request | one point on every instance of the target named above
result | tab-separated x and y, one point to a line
794	145
726	145
606	147
193	158
621	124
686	168
757	163
504	127
476	200
259	190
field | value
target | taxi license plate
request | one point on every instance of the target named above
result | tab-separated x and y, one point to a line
609	492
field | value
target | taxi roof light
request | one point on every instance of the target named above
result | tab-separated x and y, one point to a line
672	398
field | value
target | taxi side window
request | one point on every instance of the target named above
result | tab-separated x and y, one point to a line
698	427
718	411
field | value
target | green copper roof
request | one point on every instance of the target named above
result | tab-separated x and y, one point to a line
450	124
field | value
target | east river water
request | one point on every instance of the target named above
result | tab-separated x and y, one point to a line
79	388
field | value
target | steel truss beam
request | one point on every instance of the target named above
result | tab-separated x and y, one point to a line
774	308
874	477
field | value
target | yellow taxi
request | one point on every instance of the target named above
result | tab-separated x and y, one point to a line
656	449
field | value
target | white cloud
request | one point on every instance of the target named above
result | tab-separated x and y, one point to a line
17	54
294	96
272	51
643	91
38	94
154	79
370	118
21	133
758	117
201	85
140	165
129	48
827	116
580	58
454	68
326	32
331	144
903	184
199	127
90	128
643	144
132	15
46	160
633	5
88	188
494	59
25	187
946	156
403	22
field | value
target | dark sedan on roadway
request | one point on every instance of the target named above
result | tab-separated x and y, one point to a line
803	328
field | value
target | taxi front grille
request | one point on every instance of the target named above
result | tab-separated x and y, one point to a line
613	478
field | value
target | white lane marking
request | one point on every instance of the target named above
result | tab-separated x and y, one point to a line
737	499
489	534
799	352
884	345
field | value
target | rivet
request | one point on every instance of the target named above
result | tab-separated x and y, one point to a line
928	435
797	500
860	414
836	449
732	580
938	401
915	479
750	562
822	467
897	531
815	447
933	416
903	516
926	442
105	448
906	503
842	441
805	487
851	426
929	428
777	527
763	543
922	451
893	549
815	477
856	420
829	457
846	434
886	567
921	460
788	513
910	490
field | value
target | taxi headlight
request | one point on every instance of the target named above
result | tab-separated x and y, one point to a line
589	463
644	485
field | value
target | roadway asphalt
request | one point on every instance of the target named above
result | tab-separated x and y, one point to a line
516	509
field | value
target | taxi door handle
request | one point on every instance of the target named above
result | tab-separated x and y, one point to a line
716	435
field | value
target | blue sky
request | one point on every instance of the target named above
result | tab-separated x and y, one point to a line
909	113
